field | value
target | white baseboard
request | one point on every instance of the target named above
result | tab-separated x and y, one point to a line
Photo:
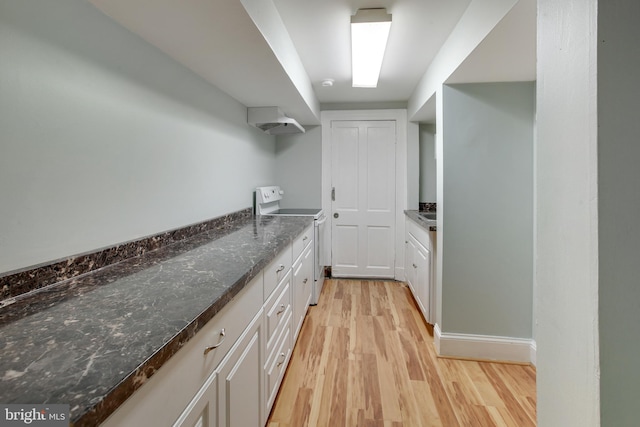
437	334
533	351
484	347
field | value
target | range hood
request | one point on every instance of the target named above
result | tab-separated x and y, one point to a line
272	121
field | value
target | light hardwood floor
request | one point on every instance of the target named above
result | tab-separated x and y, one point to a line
365	357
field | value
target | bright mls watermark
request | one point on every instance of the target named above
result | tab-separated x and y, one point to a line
55	415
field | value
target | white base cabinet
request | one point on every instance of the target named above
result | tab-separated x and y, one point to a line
231	395
234	384
240	381
302	287
278	309
276	365
418	270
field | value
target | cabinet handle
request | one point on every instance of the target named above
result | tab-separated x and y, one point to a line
305	280
280	268
282	307
282	357
223	335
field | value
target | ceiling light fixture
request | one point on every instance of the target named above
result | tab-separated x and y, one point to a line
369	34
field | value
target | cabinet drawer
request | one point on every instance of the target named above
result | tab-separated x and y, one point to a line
302	241
420	234
166	394
276	365
276	271
234	318
277	309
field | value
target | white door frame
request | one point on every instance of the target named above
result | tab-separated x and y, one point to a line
400	117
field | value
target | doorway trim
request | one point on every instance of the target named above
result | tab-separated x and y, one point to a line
400	117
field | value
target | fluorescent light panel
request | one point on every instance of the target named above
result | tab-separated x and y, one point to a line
369	34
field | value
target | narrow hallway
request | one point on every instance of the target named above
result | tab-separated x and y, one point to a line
365	357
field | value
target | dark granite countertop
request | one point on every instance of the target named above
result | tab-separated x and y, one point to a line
91	341
427	224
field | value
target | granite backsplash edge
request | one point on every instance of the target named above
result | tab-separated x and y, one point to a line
19	282
427	206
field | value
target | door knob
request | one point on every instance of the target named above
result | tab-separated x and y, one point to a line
336	215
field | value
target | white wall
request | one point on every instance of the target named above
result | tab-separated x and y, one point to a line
566	215
618	208
487	220
299	168
104	139
413	165
427	163
439	200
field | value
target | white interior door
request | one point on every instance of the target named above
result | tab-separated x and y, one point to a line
363	198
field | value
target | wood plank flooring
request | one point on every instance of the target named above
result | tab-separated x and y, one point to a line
365	358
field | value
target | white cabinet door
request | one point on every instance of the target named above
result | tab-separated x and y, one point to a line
418	267
302	288
201	412
410	264
240	388
422	260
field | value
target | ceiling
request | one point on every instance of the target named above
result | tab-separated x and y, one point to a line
320	31
277	52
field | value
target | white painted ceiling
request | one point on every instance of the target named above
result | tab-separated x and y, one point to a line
508	53
220	41
320	30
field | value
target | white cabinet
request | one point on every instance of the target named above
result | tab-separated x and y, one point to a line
302	242
240	379
276	271
231	395
302	286
409	262
418	270
422	261
278	310
276	364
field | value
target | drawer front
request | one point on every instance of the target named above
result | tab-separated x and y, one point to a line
277	309
276	366
183	375
419	233
234	321
276	271
302	241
